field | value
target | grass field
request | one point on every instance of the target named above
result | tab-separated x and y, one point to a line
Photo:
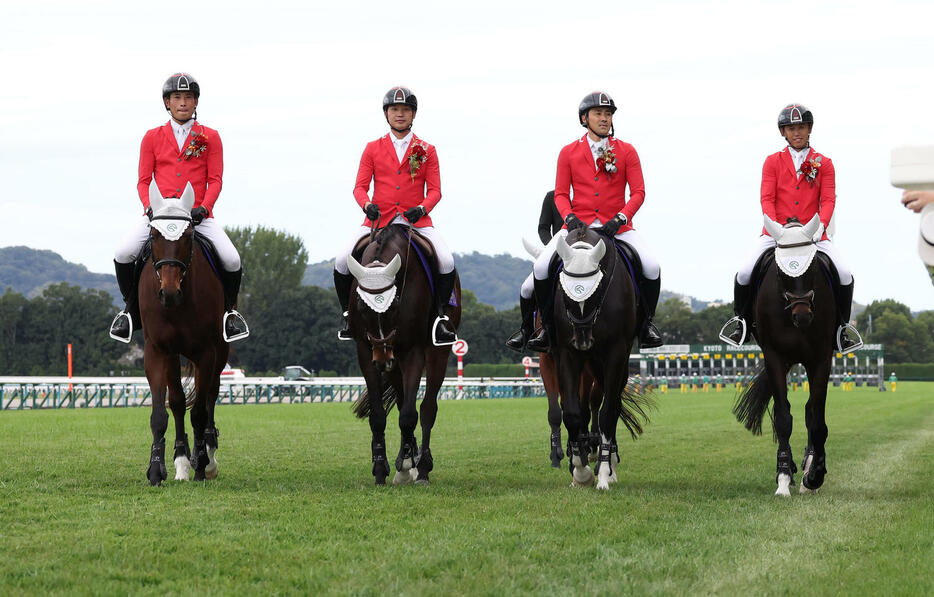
294	510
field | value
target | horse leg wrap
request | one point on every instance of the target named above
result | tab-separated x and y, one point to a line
786	465
556	453
408	450
156	472
579	449
424	461
380	467
181	448
200	458
603	458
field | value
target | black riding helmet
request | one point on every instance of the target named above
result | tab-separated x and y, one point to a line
180	82
596	99
400	95
794	114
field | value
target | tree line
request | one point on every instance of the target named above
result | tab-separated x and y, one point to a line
292	324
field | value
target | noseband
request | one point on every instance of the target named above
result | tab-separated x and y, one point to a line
183	265
793	300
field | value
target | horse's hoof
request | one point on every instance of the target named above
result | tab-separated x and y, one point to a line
422	480
156	475
555	463
199	474
603	484
784	482
210	473
380	481
582	477
804	490
404	477
182	468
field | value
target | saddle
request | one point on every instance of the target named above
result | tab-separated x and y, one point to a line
423	249
762	265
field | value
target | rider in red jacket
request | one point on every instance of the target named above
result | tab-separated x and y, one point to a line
797	182
406	183
179	152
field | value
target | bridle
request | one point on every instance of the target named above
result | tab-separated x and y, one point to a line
183	265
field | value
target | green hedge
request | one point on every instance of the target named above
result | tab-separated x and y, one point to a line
493	370
910	371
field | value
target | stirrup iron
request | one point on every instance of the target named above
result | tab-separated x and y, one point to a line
112	323
434	331
849	328
742	323
238	336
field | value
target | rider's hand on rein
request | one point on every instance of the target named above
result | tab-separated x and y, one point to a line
372	211
612	227
573	222
414	214
198	214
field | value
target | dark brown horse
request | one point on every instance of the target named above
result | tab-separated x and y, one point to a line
795	321
181	307
596	324
591	397
390	319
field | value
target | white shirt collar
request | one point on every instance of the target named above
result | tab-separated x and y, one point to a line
181	131
798	156
401	145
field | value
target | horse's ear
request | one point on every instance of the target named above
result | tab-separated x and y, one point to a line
188	197
811	228
394	264
355	268
599	251
564	251
155	197
774	229
532	248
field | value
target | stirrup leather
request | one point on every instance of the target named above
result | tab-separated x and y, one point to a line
846	327
434	332
114	322
725	338
237	336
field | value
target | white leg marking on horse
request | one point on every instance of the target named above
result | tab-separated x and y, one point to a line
807	467
210	471
784	482
614	462
182	468
606	468
407	475
582	477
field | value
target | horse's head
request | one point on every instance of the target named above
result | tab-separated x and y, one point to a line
377	306
580	279
172	239
794	255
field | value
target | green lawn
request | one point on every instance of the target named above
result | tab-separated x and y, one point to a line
294	509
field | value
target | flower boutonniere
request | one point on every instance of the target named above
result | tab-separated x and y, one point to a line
418	157
197	145
809	169
609	159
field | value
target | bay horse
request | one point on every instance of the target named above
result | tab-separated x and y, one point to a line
181	308
390	320
795	322
596	323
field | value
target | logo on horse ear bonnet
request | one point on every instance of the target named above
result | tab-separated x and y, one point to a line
172	219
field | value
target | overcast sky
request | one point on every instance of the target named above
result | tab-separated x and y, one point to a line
295	92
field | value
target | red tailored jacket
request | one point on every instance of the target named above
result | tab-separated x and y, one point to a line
394	189
786	194
159	156
598	193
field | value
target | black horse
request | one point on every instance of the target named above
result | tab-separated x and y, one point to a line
390	320
595	315
795	322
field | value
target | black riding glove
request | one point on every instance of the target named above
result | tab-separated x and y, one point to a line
198	214
414	214
612	227
573	222
149	213
372	212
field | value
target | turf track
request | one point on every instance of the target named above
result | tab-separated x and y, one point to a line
294	510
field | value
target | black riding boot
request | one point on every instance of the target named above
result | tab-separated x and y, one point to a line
517	341
342	283
541	342
844	307
235	327
650	338
742	295
443	333
122	326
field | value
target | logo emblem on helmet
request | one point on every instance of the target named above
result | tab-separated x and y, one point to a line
604	100
399	96
795	115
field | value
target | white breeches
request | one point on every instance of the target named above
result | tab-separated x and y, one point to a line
442	253
650	268
766	242
132	244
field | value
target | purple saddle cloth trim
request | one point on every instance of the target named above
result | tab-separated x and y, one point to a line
425	265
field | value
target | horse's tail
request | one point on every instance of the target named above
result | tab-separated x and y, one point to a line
753	402
189	385
361	406
634	405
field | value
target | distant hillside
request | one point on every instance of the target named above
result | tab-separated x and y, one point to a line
28	271
495	279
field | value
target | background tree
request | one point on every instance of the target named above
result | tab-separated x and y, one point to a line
273	261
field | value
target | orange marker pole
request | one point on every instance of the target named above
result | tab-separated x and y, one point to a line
69	365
